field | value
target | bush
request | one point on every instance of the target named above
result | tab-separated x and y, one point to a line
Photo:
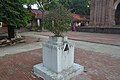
57	20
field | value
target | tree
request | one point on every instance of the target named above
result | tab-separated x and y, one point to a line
42	4
57	20
77	6
48	4
14	15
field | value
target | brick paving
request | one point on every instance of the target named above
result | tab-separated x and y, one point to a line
97	66
112	39
29	39
19	66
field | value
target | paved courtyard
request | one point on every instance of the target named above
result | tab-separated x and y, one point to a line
99	53
112	39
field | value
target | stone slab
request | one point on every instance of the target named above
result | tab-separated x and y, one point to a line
41	71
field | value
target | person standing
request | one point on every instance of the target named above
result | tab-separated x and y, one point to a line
74	27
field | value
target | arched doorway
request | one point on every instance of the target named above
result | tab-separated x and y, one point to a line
117	15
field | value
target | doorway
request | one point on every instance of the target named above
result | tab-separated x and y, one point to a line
117	15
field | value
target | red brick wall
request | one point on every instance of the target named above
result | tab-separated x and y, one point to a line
4	30
24	30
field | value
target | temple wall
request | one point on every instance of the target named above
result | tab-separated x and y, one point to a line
102	13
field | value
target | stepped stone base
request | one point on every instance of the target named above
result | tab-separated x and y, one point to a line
41	71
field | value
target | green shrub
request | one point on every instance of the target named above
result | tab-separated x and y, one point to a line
57	20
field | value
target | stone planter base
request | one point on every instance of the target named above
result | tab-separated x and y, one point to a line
41	71
58	60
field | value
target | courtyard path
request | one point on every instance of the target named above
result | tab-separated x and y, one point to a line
101	60
113	50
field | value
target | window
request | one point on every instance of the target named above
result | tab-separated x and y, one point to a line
0	24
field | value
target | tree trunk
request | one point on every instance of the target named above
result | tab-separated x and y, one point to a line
11	33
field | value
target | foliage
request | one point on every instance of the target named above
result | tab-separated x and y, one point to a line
57	20
77	6
12	13
42	4
47	4
29	1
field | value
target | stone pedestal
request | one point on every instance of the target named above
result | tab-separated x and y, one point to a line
58	60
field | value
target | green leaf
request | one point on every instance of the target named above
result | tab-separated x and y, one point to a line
57	20
13	13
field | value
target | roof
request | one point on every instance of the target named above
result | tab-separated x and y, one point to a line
38	13
78	17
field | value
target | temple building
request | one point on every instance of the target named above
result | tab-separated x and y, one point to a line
105	13
104	17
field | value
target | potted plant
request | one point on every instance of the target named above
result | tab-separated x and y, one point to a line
58	53
57	21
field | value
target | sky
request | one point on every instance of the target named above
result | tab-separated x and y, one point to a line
33	6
